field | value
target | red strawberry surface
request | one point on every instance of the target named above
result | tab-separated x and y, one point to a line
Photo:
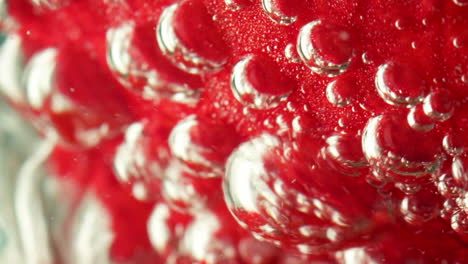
257	132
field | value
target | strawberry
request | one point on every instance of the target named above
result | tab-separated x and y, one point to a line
243	131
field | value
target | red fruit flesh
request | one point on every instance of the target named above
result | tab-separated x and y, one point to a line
238	131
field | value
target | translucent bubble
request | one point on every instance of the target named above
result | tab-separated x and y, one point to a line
416	209
459	171
233	4
418	120
12	67
185	148
354	255
448	186
118	44
91	233
158	229
339	92
386	146
461	2
291	53
275	11
178	190
39	77
49	4
128	154
261	202
408	188
459	222
343	152
136	75
453	145
326	49
399	85
176	49
448	209
438	106
201	241
254	83
244	166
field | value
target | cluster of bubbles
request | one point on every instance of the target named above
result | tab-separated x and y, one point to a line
178	168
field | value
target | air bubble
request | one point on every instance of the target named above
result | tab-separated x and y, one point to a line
448	186
459	170
137	76
201	243
460	2
453	145
158	229
389	146
459	222
438	106
399	85
279	12
118	44
255	82
192	45
291	54
39	77
259	200
326	49
343	153
185	148
418	120
339	92
178	189
418	208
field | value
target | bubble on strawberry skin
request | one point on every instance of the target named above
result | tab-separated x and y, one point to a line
138	76
40	77
339	92
460	2
193	46
438	106
419	208
127	153
388	145
184	147
459	222
459	170
118	43
325	48
257	83
274	211
418	120
398	84
49	4
159	231
276	11
453	144
12	65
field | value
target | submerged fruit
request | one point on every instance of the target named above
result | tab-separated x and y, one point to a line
243	131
